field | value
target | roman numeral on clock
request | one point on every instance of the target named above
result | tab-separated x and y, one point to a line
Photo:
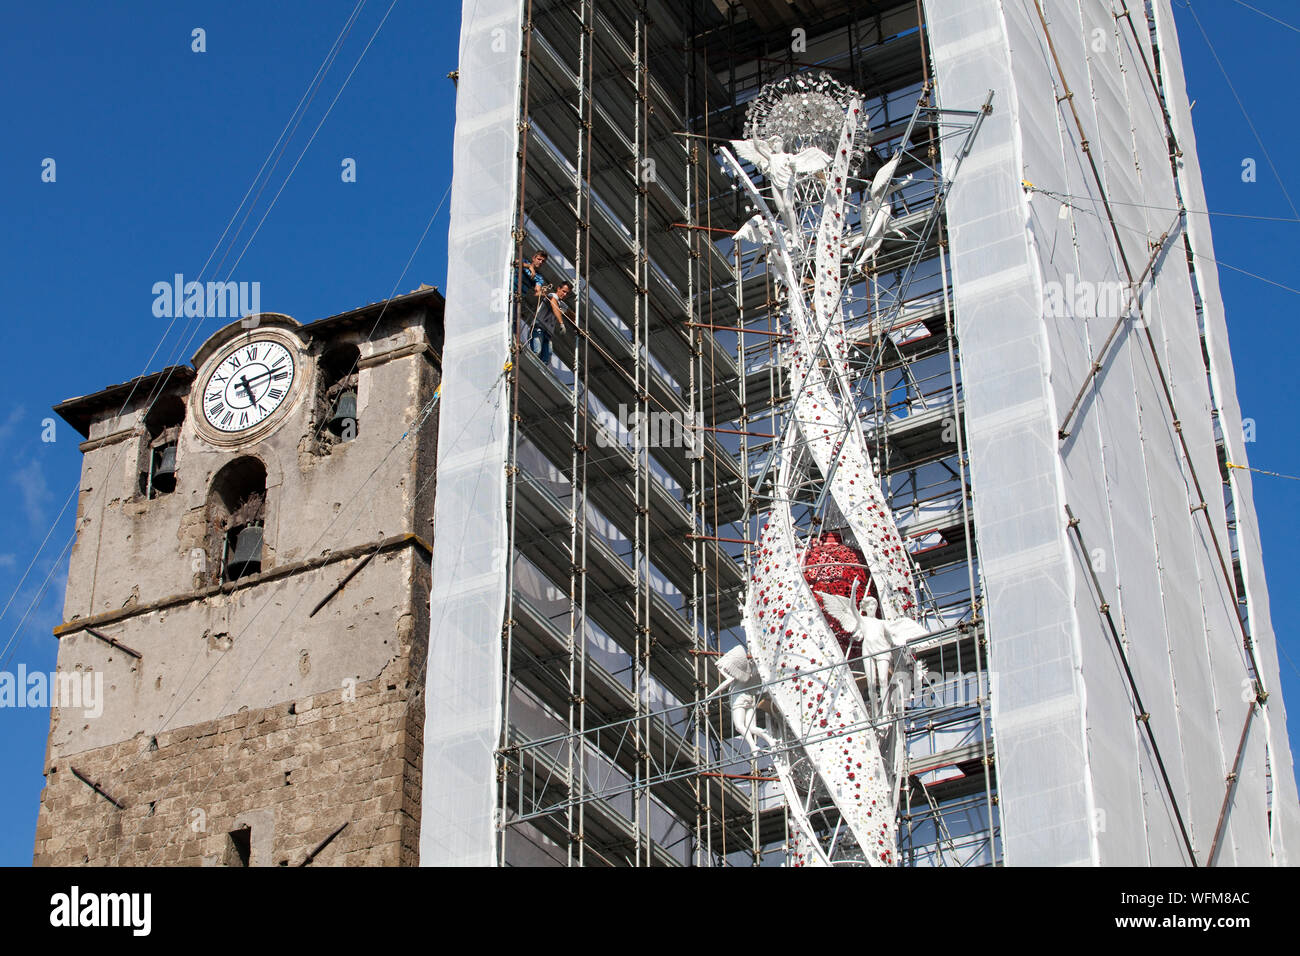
250	384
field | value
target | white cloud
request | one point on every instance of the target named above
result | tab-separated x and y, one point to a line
11	423
35	489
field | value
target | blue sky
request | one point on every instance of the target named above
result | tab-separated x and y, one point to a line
155	146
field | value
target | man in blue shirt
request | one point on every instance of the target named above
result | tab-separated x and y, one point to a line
530	273
529	281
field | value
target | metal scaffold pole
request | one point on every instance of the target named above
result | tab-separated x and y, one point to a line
629	553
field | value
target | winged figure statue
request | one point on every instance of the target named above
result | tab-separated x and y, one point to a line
735	668
879	637
781	169
776	164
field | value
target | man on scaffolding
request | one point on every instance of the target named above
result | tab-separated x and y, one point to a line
550	311
529	281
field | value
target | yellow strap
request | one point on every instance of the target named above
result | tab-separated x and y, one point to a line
1261	471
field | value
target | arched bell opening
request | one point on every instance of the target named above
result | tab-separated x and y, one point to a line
336	397
158	456
236	513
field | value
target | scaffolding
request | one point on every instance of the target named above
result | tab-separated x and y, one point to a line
639	470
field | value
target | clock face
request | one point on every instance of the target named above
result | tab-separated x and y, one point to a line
248	385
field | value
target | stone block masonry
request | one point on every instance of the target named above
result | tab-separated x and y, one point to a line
260	787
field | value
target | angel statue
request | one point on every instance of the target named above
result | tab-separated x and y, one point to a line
879	637
876	214
781	168
736	669
774	162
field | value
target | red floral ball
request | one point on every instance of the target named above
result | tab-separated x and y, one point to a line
832	567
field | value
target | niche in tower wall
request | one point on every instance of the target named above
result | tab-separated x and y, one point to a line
157	458
335	406
236	520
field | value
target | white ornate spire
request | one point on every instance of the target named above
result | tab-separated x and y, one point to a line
839	752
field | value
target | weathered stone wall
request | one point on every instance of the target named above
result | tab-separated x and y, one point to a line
133	550
292	773
252	646
279	703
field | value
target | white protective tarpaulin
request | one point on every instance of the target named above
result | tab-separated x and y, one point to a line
1286	806
1078	779
467	606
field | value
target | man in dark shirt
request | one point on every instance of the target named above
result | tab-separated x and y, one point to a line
550	312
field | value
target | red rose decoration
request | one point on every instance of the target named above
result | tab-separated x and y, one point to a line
832	567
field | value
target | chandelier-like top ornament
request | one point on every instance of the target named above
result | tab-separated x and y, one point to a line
801	110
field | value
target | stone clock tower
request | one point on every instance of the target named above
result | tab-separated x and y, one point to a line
250	582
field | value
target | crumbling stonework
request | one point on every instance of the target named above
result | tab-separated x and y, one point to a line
291	774
243	720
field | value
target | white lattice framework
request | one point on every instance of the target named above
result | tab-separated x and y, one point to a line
808	203
840	752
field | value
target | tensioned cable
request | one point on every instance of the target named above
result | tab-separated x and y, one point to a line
428	409
15	640
312	139
1268	15
301	111
324	67
1063	198
35	602
277	150
1261	471
1143	205
1242	106
288	176
358	491
424	415
369	337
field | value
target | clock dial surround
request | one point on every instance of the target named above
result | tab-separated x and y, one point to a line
248	387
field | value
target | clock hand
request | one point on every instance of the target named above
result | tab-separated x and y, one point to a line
260	375
243	380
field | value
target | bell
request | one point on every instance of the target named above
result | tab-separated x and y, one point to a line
165	466
246	557
343	421
161	479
